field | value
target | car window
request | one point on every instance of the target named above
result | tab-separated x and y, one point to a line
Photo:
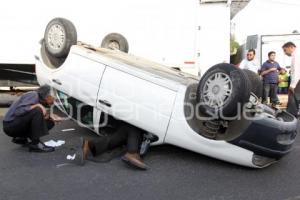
76	109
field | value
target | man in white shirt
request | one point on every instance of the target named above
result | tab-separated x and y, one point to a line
250	62
289	49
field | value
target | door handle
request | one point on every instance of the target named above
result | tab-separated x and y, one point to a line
56	81
104	102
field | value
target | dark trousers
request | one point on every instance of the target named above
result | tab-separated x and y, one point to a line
124	134
283	90
30	125
270	90
294	100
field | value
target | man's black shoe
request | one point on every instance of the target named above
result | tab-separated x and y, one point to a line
40	147
19	140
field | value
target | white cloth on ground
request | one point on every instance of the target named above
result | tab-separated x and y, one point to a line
52	143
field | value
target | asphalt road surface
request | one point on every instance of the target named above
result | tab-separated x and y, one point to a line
174	174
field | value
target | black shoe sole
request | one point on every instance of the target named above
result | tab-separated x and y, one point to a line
20	142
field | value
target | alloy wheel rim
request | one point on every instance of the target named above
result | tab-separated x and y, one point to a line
56	36
114	45
217	90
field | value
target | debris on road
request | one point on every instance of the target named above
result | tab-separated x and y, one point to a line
52	143
68	129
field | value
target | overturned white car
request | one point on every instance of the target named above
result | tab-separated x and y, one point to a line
218	116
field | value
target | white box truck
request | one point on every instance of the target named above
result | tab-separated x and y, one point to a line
191	35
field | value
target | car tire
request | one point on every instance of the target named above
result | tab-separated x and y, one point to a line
115	41
59	36
221	89
52	61
256	83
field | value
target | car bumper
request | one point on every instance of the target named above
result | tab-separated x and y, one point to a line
268	136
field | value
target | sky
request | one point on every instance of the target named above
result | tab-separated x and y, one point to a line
267	17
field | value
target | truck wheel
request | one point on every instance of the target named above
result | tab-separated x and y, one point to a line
256	83
221	90
115	41
60	35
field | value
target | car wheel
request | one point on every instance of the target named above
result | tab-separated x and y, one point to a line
222	89
50	60
115	41
60	35
256	83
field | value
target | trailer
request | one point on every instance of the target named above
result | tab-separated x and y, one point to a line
187	35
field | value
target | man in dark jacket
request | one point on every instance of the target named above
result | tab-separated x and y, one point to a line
27	118
269	72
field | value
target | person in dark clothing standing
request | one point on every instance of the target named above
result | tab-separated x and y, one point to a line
117	133
269	72
27	118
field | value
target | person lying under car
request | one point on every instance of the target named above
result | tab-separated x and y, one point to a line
115	134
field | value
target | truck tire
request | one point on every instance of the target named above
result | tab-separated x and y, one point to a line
59	36
115	41
221	90
256	83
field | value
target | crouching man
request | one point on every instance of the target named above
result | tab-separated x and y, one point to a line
27	118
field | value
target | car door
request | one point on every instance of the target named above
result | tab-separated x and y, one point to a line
79	77
137	101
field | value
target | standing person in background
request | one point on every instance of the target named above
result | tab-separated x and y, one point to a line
269	72
250	62
283	81
289	49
